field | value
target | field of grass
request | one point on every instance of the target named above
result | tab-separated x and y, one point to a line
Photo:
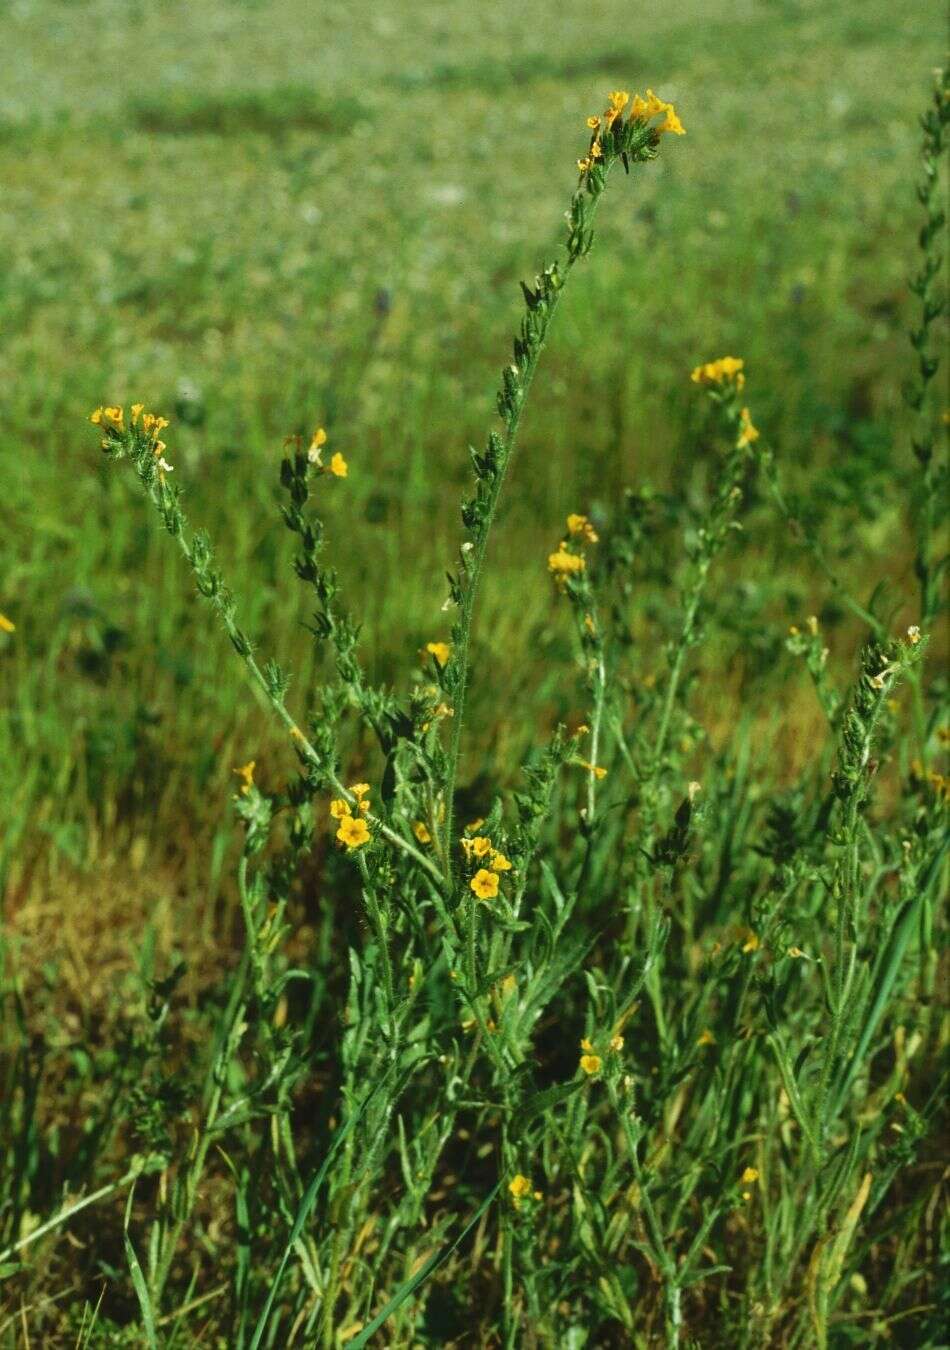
260	216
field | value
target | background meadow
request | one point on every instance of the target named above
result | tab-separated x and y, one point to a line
264	215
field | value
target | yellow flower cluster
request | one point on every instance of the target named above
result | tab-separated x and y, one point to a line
579	527
590	1061
490	861
640	109
564	563
113	419
353	830
520	1188
723	371
246	775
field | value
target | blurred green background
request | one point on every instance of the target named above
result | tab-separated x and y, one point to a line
258	217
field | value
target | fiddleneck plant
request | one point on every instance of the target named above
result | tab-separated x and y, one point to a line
610	1148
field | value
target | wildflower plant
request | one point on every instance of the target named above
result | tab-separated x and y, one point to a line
631	1050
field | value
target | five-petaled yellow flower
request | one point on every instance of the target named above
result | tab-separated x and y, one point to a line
353	832
499	863
590	1063
749	1175
485	884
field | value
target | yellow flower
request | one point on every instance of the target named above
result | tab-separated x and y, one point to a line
353	832
485	884
474	825
590	1063
617	102
6	625
499	863
585	1043
440	650
562	564
672	122
136	412
749	1175
616	1043
480	845
338	466
339	808
654	104
750	941
317	441
716	372
583	165
747	432
246	774
360	791
519	1187
706	1038
595	151
95	417
597	770
421	830
593	123
638	107
913	635
580	525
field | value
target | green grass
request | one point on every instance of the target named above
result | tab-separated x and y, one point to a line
259	217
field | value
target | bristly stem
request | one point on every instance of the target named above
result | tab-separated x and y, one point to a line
933	469
272	681
628	140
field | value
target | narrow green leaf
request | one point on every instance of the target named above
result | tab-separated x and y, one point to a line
542	1101
141	1292
306	1205
411	1285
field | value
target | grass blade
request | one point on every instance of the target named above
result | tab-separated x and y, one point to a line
422	1274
